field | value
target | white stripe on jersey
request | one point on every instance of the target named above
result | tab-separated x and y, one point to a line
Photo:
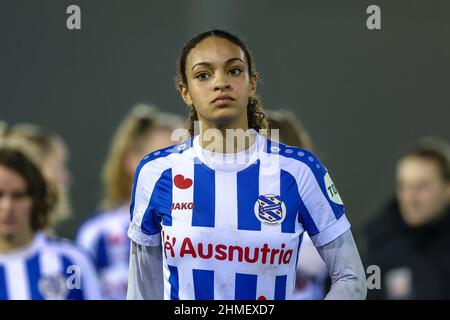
269	183
17	280
226	202
183	196
248	258
314	200
265	286
50	263
50	253
104	236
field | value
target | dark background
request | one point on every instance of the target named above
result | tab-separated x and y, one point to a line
364	95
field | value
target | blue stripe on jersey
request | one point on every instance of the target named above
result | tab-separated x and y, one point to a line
203	284
75	293
280	287
173	280
164	152
247	194
164	197
317	168
306	220
203	214
133	190
34	272
245	286
3	292
291	198
102	260
160	204
300	241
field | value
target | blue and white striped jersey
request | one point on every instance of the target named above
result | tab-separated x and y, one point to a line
232	229
104	236
47	269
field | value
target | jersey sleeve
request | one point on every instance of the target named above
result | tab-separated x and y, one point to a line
321	211
86	238
145	225
90	281
82	276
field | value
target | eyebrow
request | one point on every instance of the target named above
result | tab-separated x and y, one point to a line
207	64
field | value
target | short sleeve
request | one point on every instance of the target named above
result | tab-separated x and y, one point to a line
145	224
321	209
88	238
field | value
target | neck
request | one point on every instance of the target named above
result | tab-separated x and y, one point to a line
226	138
12	242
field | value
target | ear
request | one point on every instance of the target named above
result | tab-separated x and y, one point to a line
130	163
252	86
185	95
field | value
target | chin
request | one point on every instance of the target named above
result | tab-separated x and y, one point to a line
8	231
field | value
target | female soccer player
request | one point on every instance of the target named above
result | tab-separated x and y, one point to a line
50	152
143	130
32	264
221	215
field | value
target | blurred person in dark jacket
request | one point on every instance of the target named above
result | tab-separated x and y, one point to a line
410	237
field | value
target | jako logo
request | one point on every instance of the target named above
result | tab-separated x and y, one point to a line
182	206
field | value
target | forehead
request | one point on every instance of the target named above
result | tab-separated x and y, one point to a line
10	179
417	168
214	50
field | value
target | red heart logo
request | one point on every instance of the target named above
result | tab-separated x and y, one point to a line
182	182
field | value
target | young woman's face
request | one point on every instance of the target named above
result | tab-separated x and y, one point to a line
15	204
421	191
218	82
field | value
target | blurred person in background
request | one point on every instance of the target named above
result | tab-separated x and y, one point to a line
291	130
410	237
143	130
3	127
50	152
312	279
34	265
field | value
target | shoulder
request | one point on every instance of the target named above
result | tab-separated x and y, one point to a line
68	250
294	159
156	162
91	228
101	223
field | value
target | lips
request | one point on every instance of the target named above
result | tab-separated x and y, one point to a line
223	97
8	222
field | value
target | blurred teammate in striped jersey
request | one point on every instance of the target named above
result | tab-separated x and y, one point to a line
50	152
34	265
104	235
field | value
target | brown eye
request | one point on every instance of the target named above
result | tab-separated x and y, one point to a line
202	76
235	71
19	195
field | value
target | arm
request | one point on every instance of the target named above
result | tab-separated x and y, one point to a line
145	278
345	268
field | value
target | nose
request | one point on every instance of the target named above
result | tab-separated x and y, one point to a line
5	205
221	83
